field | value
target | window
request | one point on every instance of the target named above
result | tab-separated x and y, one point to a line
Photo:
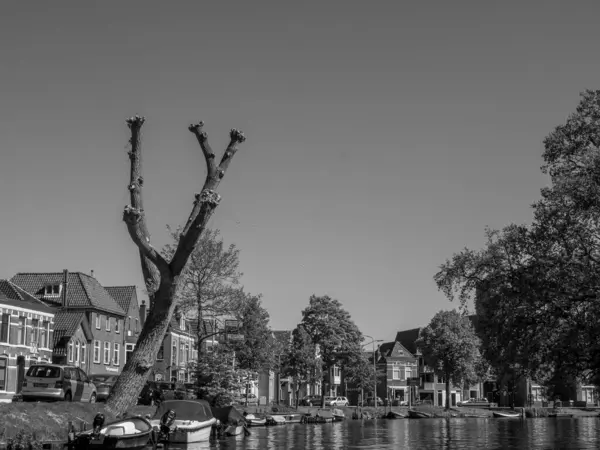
3	371
35	332
98	321
52	290
45	334
116	351
106	352
161	351
174	354
4	328
107	323
136	324
77	350
408	372
129	324
21	332
181	353
117	325
70	351
96	351
83	355
396	373
82	376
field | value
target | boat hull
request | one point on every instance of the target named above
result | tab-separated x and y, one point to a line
133	433
419	415
189	431
256	422
232	430
506	415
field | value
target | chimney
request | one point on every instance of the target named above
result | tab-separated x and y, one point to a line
92	273
143	313
65	290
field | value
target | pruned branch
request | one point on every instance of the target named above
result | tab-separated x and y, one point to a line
153	264
209	156
207	200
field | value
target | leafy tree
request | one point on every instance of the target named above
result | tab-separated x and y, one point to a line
161	275
216	376
332	329
209	283
359	371
535	287
254	352
451	348
300	361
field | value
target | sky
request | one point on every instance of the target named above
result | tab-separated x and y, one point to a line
382	137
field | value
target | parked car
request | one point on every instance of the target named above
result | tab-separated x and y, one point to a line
57	382
337	401
104	384
151	394
244	400
311	400
371	402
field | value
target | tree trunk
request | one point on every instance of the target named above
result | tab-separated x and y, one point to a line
161	276
447	391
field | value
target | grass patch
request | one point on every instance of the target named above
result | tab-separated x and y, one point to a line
49	421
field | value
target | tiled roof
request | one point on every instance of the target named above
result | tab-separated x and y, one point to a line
407	338
122	295
84	291
12	295
68	321
386	348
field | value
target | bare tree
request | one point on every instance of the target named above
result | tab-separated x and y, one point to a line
162	276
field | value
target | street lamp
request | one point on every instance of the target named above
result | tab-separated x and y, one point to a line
373	340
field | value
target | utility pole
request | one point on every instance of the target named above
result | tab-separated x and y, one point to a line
374	367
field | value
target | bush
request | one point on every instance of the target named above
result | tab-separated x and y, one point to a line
22	441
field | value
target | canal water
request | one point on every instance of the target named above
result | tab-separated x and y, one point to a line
582	433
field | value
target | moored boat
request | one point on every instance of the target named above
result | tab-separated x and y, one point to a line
134	433
276	419
338	414
184	421
289	418
506	414
395	415
255	421
324	416
230	421
413	414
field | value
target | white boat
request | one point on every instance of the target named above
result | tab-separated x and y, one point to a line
275	420
233	430
338	414
184	421
506	414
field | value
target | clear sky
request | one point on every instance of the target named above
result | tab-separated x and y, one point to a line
382	136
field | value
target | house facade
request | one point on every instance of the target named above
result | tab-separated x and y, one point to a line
399	366
26	334
91	323
135	315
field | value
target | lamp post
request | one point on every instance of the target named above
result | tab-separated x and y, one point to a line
373	340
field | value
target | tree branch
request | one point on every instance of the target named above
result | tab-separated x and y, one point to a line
153	264
205	204
209	156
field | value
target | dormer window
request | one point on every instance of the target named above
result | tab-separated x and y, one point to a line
52	290
182	324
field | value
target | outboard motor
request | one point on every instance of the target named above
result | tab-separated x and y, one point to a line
97	424
166	422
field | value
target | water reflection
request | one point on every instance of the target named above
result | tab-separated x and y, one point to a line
447	434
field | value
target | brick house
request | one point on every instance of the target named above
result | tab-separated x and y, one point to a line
399	365
26	333
177	351
126	298
91	322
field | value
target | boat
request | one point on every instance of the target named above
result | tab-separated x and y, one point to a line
338	414
134	433
324	416
276	419
413	414
395	415
289	418
254	421
230	422
183	421
507	414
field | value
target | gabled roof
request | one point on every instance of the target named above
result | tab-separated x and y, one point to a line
66	323
123	295
407	338
13	295
393	349
84	291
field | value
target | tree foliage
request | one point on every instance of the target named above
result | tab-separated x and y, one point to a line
300	361
536	287
451	348
217	377
332	329
360	373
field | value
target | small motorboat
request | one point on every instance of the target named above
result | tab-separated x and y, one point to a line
324	416
507	414
254	421
133	433
275	419
338	415
230	422
395	415
183	421
289	418
413	414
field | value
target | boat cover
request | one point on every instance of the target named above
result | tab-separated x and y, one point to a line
228	415
186	410
325	414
